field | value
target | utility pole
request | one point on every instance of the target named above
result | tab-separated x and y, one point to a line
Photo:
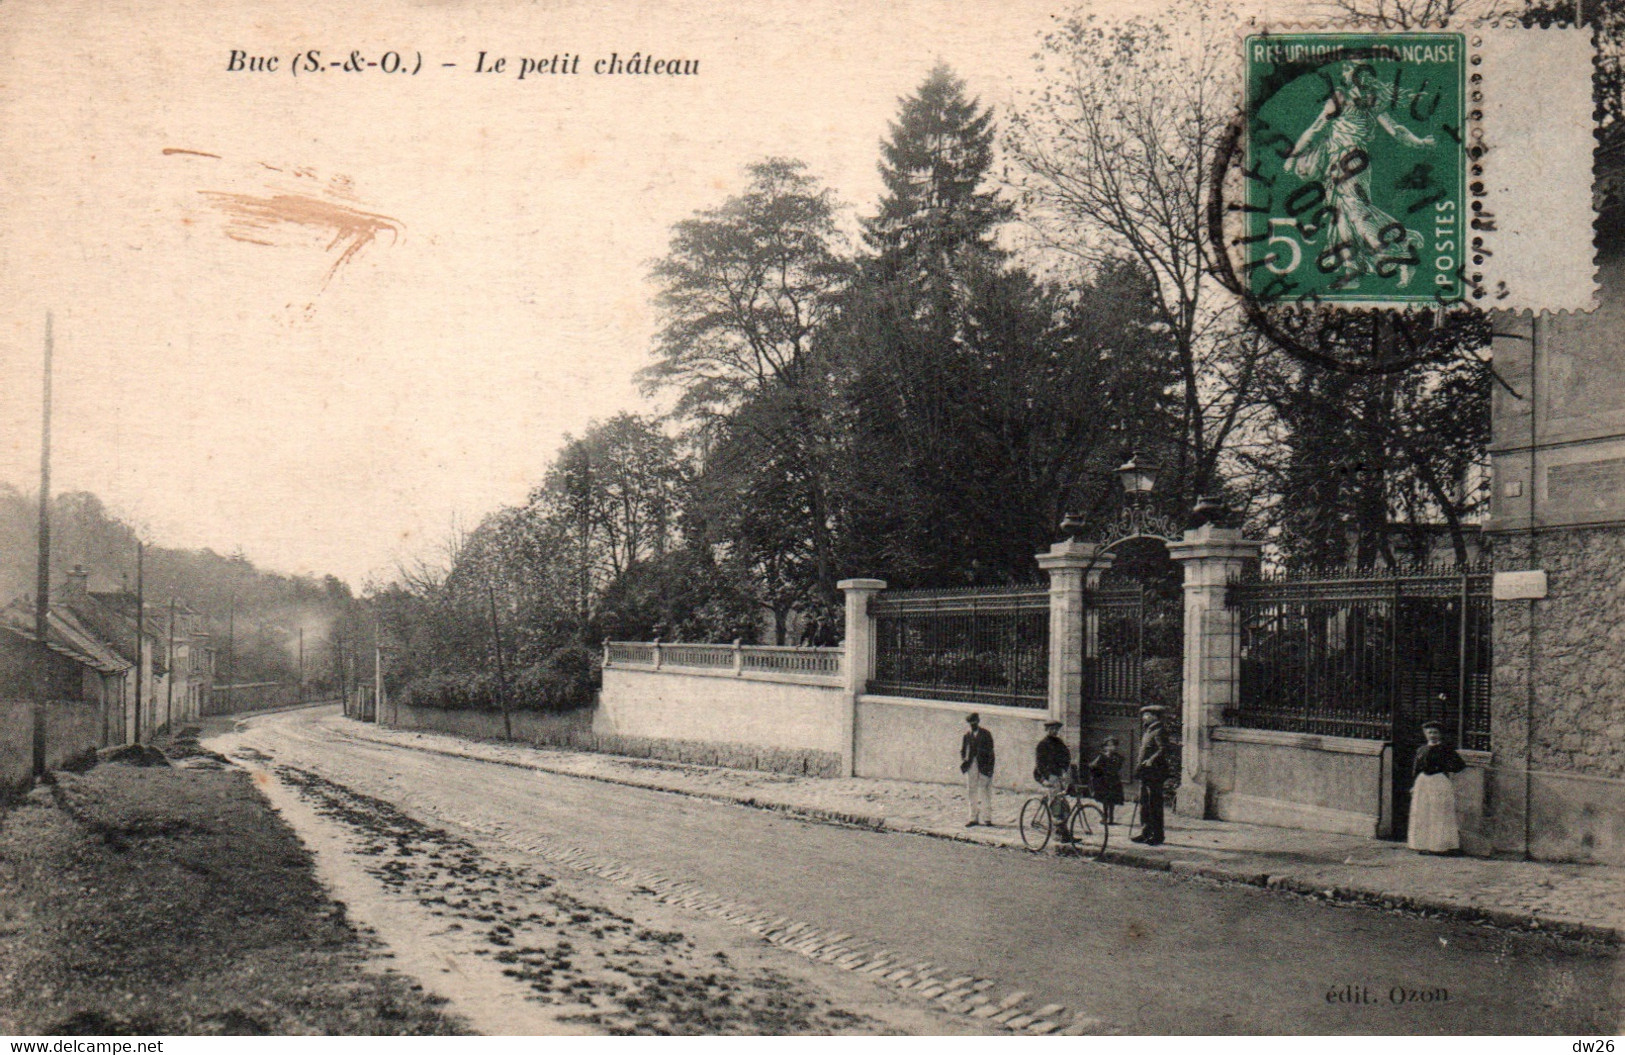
169	687
42	587
231	648
301	664
140	629
377	665
502	674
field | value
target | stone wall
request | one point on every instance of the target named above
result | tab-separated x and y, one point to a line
1558	707
528	726
592	730
1580	680
906	739
1295	780
772	711
71	730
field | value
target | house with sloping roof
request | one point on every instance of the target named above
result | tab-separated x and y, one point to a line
102	654
86	682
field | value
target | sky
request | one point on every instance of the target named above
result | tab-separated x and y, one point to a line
320	316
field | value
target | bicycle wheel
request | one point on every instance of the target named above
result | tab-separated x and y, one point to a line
1088	825
1036	824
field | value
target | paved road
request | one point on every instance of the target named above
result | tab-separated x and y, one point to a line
1145	952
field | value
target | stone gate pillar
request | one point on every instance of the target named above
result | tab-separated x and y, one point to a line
1212	556
1073	567
858	663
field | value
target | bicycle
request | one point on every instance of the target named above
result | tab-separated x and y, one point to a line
1085	820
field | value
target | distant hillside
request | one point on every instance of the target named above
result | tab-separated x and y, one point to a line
269	608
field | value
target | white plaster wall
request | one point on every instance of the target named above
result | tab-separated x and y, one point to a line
1292	780
919	740
730	710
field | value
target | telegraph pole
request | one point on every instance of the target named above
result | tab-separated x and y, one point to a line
502	674
231	647
377	667
301	664
169	687
140	629
42	588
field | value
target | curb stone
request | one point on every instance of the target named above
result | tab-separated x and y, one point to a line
1504	918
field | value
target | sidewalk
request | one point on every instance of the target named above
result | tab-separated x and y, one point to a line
1577	900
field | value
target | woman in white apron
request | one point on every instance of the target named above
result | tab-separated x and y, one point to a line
1433	795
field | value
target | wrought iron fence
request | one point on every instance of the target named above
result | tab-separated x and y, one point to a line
1365	653
987	645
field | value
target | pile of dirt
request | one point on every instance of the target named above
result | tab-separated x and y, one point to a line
134	755
142	899
184	750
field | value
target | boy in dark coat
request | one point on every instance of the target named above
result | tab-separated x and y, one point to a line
1106	778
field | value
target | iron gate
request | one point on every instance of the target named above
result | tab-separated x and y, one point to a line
1368	654
1133	657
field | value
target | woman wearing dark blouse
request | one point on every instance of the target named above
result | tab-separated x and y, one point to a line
1433	795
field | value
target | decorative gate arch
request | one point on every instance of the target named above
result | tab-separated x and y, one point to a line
1133	637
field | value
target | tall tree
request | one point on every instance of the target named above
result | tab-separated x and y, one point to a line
1115	150
744	290
977	398
934	163
607	505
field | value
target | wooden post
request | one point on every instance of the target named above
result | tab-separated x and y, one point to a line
169	688
42	588
140	629
377	667
231	648
502	674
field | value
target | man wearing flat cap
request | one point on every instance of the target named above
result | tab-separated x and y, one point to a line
1153	774
1053	769
976	762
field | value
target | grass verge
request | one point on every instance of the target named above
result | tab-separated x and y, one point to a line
150	900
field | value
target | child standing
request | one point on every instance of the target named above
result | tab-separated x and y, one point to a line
1106	778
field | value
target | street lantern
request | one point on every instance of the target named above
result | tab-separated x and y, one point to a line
1138	480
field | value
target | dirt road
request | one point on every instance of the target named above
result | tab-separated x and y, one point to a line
1134	952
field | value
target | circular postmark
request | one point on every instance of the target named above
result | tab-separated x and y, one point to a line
1340	190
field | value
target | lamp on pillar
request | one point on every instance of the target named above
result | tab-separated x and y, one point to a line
1139	479
1136	519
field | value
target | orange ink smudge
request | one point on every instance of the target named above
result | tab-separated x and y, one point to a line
260	220
195	153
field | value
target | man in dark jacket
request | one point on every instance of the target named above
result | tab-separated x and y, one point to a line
1153	774
1053	769
976	762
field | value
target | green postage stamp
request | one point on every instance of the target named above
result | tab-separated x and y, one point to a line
1355	168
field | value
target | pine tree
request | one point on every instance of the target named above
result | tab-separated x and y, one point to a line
933	166
975	398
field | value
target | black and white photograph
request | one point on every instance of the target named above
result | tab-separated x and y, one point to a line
810	518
